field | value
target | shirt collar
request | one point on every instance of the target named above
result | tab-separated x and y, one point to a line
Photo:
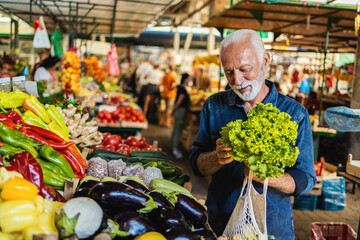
270	98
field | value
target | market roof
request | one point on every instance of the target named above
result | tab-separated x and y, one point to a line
305	24
90	16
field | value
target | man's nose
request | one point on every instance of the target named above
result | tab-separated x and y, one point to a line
238	77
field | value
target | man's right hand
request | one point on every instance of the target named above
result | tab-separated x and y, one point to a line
222	152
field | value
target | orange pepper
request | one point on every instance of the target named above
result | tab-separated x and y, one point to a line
32	103
17	188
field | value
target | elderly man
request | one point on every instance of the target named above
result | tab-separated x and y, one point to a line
245	61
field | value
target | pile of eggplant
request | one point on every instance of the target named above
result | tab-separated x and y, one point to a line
131	209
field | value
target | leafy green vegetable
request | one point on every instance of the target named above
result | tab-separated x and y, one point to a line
265	140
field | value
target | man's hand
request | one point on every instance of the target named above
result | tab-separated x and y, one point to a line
247	171
222	152
210	162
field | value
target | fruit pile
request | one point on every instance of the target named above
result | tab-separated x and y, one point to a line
71	72
127	113
116	144
93	69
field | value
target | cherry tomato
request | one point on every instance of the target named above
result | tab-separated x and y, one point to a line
132	141
99	147
143	143
123	152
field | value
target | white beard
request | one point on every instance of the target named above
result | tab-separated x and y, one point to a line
255	86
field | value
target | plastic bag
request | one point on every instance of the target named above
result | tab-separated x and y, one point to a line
248	219
41	39
113	67
343	119
57	48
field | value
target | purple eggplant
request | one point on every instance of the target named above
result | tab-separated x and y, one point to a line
82	192
112	195
132	223
193	211
160	200
181	234
137	186
88	183
172	218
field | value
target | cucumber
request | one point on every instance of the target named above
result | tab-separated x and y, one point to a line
159	154
150	164
167	171
108	155
172	176
181	180
163	184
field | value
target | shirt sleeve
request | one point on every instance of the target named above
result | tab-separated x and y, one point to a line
303	172
202	142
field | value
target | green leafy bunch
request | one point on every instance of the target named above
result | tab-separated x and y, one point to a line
265	140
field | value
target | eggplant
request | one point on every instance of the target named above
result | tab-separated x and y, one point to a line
82	192
137	186
132	223
88	182
112	195
172	218
160	199
193	211
181	234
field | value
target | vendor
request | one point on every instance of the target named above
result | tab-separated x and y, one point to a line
245	61
46	71
7	63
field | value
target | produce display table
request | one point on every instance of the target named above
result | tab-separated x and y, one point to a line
351	178
123	132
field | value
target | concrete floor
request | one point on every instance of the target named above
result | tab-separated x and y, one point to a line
302	219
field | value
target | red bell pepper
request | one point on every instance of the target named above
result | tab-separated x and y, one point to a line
7	122
25	164
15	117
51	143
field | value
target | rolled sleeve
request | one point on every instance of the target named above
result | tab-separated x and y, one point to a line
303	172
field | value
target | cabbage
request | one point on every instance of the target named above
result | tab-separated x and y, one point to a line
265	141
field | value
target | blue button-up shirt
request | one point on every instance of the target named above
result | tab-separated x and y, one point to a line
224	190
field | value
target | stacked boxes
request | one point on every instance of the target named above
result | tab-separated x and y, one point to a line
333	194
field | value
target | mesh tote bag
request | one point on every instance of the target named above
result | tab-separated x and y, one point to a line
248	220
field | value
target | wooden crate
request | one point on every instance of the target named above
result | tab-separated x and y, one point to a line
353	166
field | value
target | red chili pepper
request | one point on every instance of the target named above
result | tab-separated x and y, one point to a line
14	116
85	111
74	151
1	144
71	159
51	143
67	95
7	122
25	164
57	101
43	132
51	194
78	176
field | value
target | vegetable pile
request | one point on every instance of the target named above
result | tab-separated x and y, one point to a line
265	141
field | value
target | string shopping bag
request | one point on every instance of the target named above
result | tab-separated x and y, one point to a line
248	219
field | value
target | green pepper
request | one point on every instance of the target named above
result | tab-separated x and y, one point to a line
52	179
8	150
17	139
30	118
150	164
12	99
51	166
53	156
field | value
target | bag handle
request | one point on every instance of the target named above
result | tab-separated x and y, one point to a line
247	181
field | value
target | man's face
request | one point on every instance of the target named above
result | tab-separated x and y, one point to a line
246	75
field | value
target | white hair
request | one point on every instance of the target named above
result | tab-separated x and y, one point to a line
255	40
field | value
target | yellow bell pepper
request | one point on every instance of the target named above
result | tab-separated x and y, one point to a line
17	188
39	204
32	103
43	224
52	207
17	215
5	236
150	236
6	175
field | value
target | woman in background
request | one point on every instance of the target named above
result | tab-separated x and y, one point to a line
46	71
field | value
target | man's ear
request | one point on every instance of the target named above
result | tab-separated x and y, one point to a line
267	59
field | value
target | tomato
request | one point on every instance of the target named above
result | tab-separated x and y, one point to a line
133	118
106	135
100	115
122	110
123	152
128	108
123	148
142	143
150	148
122	115
110	148
99	147
113	140
132	141
135	149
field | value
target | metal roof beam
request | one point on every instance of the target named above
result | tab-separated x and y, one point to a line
85	15
60	11
113	21
194	12
109	5
92	30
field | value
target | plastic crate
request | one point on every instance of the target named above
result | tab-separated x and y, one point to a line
305	202
333	186
333	201
318	167
332	231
